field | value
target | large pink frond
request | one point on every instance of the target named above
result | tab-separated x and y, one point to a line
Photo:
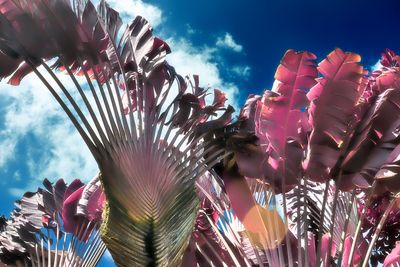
375	138
331	113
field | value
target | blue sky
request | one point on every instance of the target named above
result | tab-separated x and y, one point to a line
233	45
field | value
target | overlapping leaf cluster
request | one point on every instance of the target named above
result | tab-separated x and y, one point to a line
291	182
55	226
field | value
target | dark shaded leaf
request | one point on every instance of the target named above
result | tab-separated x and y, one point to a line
331	113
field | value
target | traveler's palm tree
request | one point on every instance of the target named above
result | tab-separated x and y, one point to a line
291	182
148	168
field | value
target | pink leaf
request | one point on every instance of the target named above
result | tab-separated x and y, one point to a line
294	77
333	103
324	249
361	250
374	140
92	201
312	256
219	99
72	187
393	259
69	211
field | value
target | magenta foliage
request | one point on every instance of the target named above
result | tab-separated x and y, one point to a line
390	232
281	117
282	112
69	211
330	124
393	258
359	254
205	236
333	103
348	132
374	140
37	227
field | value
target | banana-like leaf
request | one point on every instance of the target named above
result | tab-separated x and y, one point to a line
387	178
249	143
277	120
282	113
331	113
294	77
376	137
388	76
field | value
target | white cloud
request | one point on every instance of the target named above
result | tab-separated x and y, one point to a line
188	60
33	114
242	71
227	41
17	176
131	8
7	148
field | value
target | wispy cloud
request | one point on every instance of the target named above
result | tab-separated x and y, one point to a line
189	60
33	116
7	147
242	71
189	29
131	8
227	41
